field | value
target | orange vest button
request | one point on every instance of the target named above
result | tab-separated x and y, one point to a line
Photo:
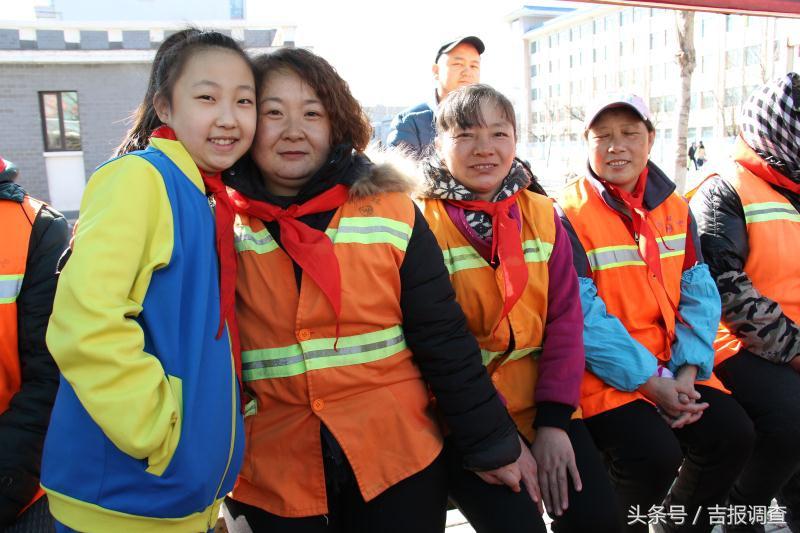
304	334
495	378
318	405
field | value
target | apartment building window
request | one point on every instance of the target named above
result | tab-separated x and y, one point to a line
693	101
707	101
669	104
595	24
733	58
535	93
655	104
728	22
733	96
691	133
621	49
534	70
61	125
706	133
534	47
652	41
237	9
752	55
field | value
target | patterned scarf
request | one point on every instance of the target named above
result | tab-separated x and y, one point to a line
770	124
440	184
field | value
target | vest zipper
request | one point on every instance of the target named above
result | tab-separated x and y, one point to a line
234	407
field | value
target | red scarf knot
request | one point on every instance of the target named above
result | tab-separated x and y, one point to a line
506	246
643	230
310	248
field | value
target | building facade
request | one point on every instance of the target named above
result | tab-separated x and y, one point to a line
576	57
69	88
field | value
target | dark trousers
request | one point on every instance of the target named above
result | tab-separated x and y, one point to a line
417	504
496	509
770	393
35	519
643	455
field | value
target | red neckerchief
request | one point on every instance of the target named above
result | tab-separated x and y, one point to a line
223	220
506	245
643	232
749	159
310	248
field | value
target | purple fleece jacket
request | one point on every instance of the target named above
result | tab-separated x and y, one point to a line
562	362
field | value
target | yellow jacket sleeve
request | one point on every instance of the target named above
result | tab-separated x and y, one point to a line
124	234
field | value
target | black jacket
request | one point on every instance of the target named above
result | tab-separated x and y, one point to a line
758	321
24	424
433	323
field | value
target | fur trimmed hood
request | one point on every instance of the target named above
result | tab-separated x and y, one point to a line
391	171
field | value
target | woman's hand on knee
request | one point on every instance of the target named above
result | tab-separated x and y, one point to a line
509	475
529	470
555	459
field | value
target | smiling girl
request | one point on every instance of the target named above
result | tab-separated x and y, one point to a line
146	429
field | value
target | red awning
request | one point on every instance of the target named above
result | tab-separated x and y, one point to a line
782	8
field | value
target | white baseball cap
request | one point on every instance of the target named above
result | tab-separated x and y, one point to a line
612	101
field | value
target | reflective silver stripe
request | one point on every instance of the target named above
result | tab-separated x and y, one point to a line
374	229
628	254
672	245
770	211
371	230
245	239
10	285
315	354
614	256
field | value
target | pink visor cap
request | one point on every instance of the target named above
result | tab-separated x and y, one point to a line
632	101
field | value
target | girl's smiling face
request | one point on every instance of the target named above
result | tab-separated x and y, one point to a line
212	108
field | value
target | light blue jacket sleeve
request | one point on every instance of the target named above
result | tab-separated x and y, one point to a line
611	353
700	308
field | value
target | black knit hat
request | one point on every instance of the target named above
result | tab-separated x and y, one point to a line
8	170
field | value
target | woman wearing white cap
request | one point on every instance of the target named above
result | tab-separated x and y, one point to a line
650	311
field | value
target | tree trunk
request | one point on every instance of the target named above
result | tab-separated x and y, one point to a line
687	62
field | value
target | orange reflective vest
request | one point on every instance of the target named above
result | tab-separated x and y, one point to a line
367	390
17	222
479	291
631	293
773	227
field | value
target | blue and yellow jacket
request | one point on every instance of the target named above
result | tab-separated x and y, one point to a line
146	433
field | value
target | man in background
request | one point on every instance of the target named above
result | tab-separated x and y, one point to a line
457	63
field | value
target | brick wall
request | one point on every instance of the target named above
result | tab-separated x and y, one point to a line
107	95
